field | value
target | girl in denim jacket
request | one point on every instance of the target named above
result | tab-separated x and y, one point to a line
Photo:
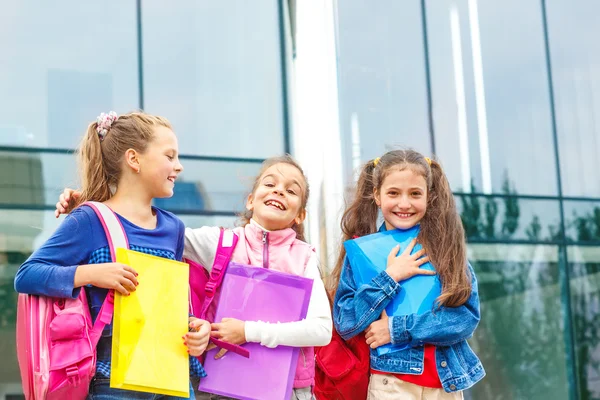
410	189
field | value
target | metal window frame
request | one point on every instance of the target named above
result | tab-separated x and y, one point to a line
563	243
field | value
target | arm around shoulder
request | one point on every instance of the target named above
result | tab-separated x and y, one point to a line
200	245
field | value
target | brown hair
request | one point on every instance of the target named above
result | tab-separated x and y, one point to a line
441	233
101	161
268	163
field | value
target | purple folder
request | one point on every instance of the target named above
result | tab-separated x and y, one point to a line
257	294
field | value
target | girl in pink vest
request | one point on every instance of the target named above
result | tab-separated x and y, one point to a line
272	236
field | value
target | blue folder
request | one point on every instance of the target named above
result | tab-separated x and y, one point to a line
368	257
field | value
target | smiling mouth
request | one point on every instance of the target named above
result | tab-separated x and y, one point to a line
403	215
172	179
276	204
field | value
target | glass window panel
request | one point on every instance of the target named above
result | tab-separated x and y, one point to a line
212	186
214	69
381	73
35	178
9	370
57	81
573	31
503	80
584	264
582	220
509	218
520	337
20	233
39	178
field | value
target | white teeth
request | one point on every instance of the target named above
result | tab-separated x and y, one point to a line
274	203
402	215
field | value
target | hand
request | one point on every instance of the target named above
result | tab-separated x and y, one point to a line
229	330
406	265
117	276
66	200
378	333
197	340
220	353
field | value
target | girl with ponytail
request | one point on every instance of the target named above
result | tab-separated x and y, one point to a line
125	162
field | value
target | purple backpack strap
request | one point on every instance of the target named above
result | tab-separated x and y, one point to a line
227	242
116	237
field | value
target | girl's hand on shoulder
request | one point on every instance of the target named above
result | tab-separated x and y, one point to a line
65	201
406	265
378	333
117	276
197	340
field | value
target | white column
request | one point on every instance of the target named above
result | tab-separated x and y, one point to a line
316	122
461	104
355	130
484	148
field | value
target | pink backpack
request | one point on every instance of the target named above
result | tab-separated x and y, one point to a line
56	341
204	287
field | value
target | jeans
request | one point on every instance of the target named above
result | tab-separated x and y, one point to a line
100	390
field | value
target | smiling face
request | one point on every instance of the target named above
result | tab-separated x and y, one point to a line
159	164
277	200
402	198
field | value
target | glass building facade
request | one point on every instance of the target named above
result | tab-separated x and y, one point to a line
216	69
505	94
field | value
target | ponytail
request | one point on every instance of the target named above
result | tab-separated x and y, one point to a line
94	179
102	149
359	219
443	236
299	229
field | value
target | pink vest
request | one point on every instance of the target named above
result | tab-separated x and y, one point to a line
280	251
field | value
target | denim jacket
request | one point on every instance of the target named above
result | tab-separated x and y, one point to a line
448	328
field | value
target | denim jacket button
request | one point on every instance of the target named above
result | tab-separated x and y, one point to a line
385	381
452	387
444	364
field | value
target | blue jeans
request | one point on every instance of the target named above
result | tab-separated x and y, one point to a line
100	390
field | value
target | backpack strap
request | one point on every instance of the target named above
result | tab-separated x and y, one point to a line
116	237
115	233
227	241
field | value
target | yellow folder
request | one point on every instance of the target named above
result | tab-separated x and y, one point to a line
148	354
